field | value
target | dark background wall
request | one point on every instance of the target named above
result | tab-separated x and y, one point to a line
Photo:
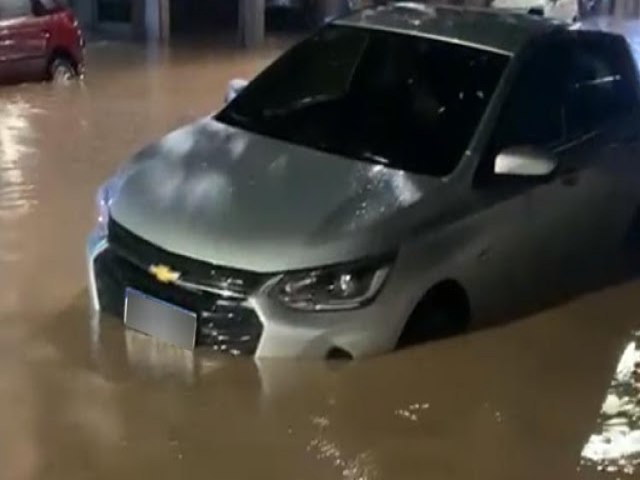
201	16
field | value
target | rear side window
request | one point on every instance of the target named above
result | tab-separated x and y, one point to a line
600	85
51	5
14	9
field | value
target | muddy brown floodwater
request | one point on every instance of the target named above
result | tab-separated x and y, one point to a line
80	398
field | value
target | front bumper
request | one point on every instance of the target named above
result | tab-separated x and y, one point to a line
255	325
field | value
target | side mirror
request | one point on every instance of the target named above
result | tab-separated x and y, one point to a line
234	88
525	162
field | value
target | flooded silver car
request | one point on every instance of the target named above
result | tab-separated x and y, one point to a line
529	399
385	180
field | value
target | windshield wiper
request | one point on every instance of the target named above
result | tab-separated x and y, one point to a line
374	158
235	116
300	104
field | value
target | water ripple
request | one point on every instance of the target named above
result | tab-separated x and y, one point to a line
615	447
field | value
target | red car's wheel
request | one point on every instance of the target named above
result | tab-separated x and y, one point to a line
62	71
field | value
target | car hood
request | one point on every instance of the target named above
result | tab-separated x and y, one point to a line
233	198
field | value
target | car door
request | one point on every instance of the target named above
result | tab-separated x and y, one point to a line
8	44
602	103
24	41
557	218
579	219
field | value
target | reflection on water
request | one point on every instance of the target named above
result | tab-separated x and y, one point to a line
412	412
616	446
15	130
157	357
17	192
360	466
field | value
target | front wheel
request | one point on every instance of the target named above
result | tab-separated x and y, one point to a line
62	71
441	313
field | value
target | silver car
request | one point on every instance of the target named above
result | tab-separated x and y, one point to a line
406	171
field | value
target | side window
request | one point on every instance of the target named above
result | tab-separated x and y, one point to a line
44	7
10	9
533	111
52	4
600	84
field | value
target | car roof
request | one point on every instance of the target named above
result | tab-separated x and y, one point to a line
501	30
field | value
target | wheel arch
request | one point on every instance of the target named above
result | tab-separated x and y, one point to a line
449	292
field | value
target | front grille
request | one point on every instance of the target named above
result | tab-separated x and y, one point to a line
223	324
194	272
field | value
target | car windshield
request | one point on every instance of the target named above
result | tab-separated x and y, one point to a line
408	102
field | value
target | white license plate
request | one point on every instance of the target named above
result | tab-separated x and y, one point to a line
160	319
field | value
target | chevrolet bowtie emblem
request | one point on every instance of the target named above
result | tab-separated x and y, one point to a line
164	274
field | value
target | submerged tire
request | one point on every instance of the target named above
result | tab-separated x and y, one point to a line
442	312
62	71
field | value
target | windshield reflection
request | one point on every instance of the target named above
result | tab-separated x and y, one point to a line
405	102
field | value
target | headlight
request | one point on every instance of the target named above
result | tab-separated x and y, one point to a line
104	197
342	287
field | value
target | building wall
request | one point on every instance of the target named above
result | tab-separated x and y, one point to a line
150	18
202	15
84	10
157	19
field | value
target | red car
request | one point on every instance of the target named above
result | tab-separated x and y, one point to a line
39	40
